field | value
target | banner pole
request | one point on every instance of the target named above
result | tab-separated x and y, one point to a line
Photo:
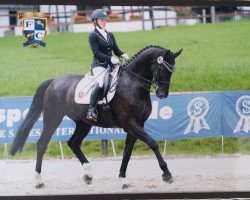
61	149
113	147
6	150
164	150
222	145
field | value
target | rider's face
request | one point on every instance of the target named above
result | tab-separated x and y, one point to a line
102	23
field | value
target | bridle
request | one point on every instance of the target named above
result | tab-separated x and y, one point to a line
156	80
170	68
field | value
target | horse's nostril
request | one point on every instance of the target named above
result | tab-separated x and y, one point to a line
161	96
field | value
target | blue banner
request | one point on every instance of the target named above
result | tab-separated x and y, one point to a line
180	116
14	110
183	116
236	114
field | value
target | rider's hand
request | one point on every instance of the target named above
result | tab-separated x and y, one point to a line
125	56
114	60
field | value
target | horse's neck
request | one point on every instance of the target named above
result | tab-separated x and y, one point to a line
141	66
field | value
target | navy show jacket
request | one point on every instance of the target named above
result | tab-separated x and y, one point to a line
102	48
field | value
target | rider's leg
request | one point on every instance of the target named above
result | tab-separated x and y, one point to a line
99	73
92	114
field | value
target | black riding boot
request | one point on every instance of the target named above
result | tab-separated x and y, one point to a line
92	113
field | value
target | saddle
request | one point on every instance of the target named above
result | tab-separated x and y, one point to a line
85	85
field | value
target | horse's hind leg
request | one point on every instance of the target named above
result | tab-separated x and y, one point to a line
75	142
130	141
50	123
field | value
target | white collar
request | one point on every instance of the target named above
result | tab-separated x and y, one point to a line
102	31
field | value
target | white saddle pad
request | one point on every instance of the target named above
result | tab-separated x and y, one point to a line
85	85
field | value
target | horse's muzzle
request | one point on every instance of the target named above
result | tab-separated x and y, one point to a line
161	95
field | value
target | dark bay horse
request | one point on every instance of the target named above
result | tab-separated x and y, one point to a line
130	107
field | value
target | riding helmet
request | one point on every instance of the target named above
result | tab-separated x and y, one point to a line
99	14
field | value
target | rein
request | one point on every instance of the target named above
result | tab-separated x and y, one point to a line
142	78
156	80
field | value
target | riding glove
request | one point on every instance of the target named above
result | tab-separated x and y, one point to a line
125	56
114	60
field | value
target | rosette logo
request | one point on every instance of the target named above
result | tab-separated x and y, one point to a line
243	109
197	110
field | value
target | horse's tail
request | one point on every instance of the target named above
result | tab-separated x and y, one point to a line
34	113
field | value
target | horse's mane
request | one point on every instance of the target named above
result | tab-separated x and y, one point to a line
141	51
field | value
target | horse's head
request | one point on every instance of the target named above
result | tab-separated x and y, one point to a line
163	67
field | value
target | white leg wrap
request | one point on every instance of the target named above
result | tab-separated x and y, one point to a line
38	178
87	170
87	176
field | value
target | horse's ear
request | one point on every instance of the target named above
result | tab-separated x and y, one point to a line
178	53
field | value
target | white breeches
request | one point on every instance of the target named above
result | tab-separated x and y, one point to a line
99	73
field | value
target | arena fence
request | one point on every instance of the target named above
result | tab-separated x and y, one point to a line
180	116
132	19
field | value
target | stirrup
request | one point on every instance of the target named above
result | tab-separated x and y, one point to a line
92	114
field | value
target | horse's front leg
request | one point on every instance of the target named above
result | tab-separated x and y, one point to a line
130	141
137	131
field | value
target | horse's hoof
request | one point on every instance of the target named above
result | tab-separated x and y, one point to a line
40	186
87	179
167	178
125	186
124	183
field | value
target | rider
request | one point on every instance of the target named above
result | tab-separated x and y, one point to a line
102	44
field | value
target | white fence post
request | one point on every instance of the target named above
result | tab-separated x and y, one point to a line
113	147
142	18
222	145
212	14
204	19
164	150
6	150
61	149
72	21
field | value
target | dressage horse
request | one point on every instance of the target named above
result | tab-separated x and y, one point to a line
130	107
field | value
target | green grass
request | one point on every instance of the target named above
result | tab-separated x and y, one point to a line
215	58
192	147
